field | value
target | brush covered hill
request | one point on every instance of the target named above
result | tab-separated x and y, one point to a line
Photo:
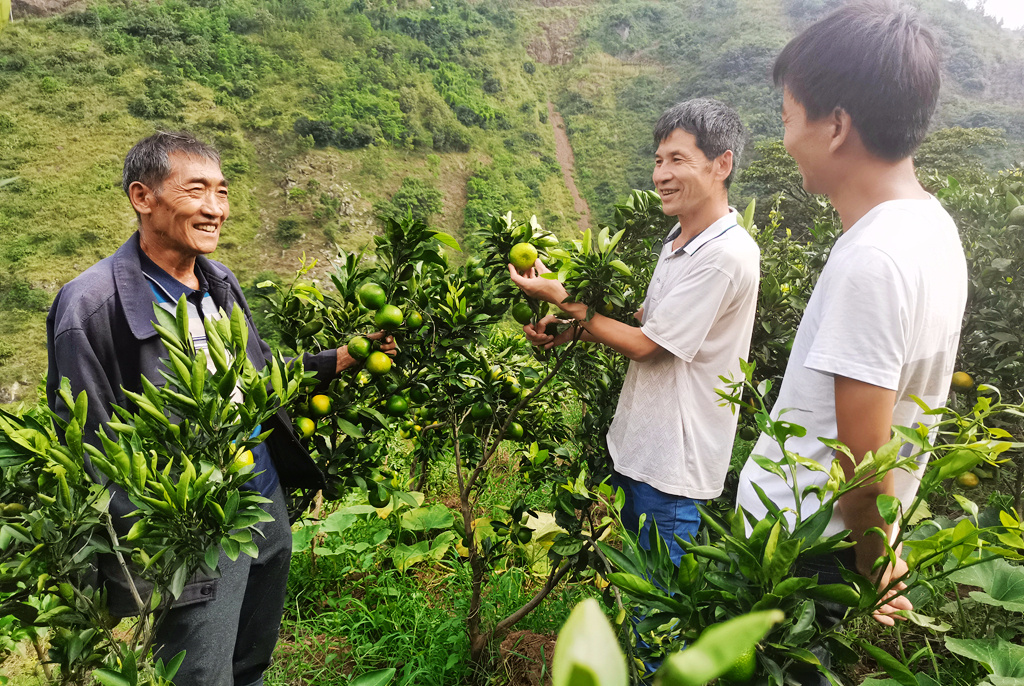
329	113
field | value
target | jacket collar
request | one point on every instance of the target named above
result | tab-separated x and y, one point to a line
137	298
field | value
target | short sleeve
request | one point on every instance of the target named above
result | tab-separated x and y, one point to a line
862	333
685	315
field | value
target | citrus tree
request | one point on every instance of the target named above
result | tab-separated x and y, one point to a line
181	453
740	563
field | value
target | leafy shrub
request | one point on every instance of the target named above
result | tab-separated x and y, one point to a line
21	295
415	196
290	229
6	352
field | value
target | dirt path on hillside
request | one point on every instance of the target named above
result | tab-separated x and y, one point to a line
563	151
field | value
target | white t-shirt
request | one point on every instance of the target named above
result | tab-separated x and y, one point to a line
670	429
886	311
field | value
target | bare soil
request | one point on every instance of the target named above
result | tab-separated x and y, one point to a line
567	161
526	658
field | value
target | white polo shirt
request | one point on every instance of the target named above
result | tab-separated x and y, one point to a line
886	311
670	429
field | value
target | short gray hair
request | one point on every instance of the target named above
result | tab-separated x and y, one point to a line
149	161
715	125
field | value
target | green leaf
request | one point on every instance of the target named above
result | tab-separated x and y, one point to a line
380	677
436	516
717	649
889	507
109	677
1002	583
447	239
1000	658
587	652
893	667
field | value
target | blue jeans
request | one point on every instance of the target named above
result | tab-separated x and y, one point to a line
676	515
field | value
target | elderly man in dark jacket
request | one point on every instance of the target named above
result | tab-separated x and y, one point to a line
100	336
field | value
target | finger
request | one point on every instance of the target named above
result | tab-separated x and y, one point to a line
376	336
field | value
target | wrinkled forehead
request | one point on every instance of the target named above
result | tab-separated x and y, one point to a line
185	168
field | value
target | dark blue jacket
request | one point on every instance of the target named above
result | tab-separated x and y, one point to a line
99	334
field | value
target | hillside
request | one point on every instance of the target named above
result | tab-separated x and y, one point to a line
329	112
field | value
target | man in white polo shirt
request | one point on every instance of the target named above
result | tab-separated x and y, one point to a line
671	440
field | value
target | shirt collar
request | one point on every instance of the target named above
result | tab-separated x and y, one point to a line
167	283
697	242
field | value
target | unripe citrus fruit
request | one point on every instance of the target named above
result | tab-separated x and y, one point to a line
414	320
522	313
962	382
242	459
515	432
371	295
320	405
350	414
1016	215
396	406
742	669
388	317
749	433
306	426
522	256
968	480
419	394
359	347
481	411
378	363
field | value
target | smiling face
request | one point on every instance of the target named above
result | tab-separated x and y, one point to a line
182	218
684	177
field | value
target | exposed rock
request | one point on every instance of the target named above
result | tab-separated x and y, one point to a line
41	8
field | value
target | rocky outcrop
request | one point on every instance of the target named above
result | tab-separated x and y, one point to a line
40	8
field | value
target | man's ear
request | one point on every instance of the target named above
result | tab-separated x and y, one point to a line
840	129
141	197
723	165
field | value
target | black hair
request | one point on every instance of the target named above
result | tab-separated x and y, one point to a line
149	161
877	62
715	125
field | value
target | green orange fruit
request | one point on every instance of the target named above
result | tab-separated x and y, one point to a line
481	411
515	431
359	347
749	433
414	321
306	426
396	406
743	668
522	256
371	296
968	480
388	317
378	363
320	405
1016	215
242	459
962	382
522	313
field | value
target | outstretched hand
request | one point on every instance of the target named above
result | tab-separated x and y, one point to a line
536	286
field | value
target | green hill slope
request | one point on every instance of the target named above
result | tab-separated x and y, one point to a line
331	111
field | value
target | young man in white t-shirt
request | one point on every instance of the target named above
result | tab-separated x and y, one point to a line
671	439
883	323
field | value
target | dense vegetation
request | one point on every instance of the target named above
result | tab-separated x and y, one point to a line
351	126
326	109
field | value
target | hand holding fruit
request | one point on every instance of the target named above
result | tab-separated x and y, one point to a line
536	286
537	333
356	351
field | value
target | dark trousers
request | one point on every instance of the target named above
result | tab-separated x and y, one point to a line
230	639
826	568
